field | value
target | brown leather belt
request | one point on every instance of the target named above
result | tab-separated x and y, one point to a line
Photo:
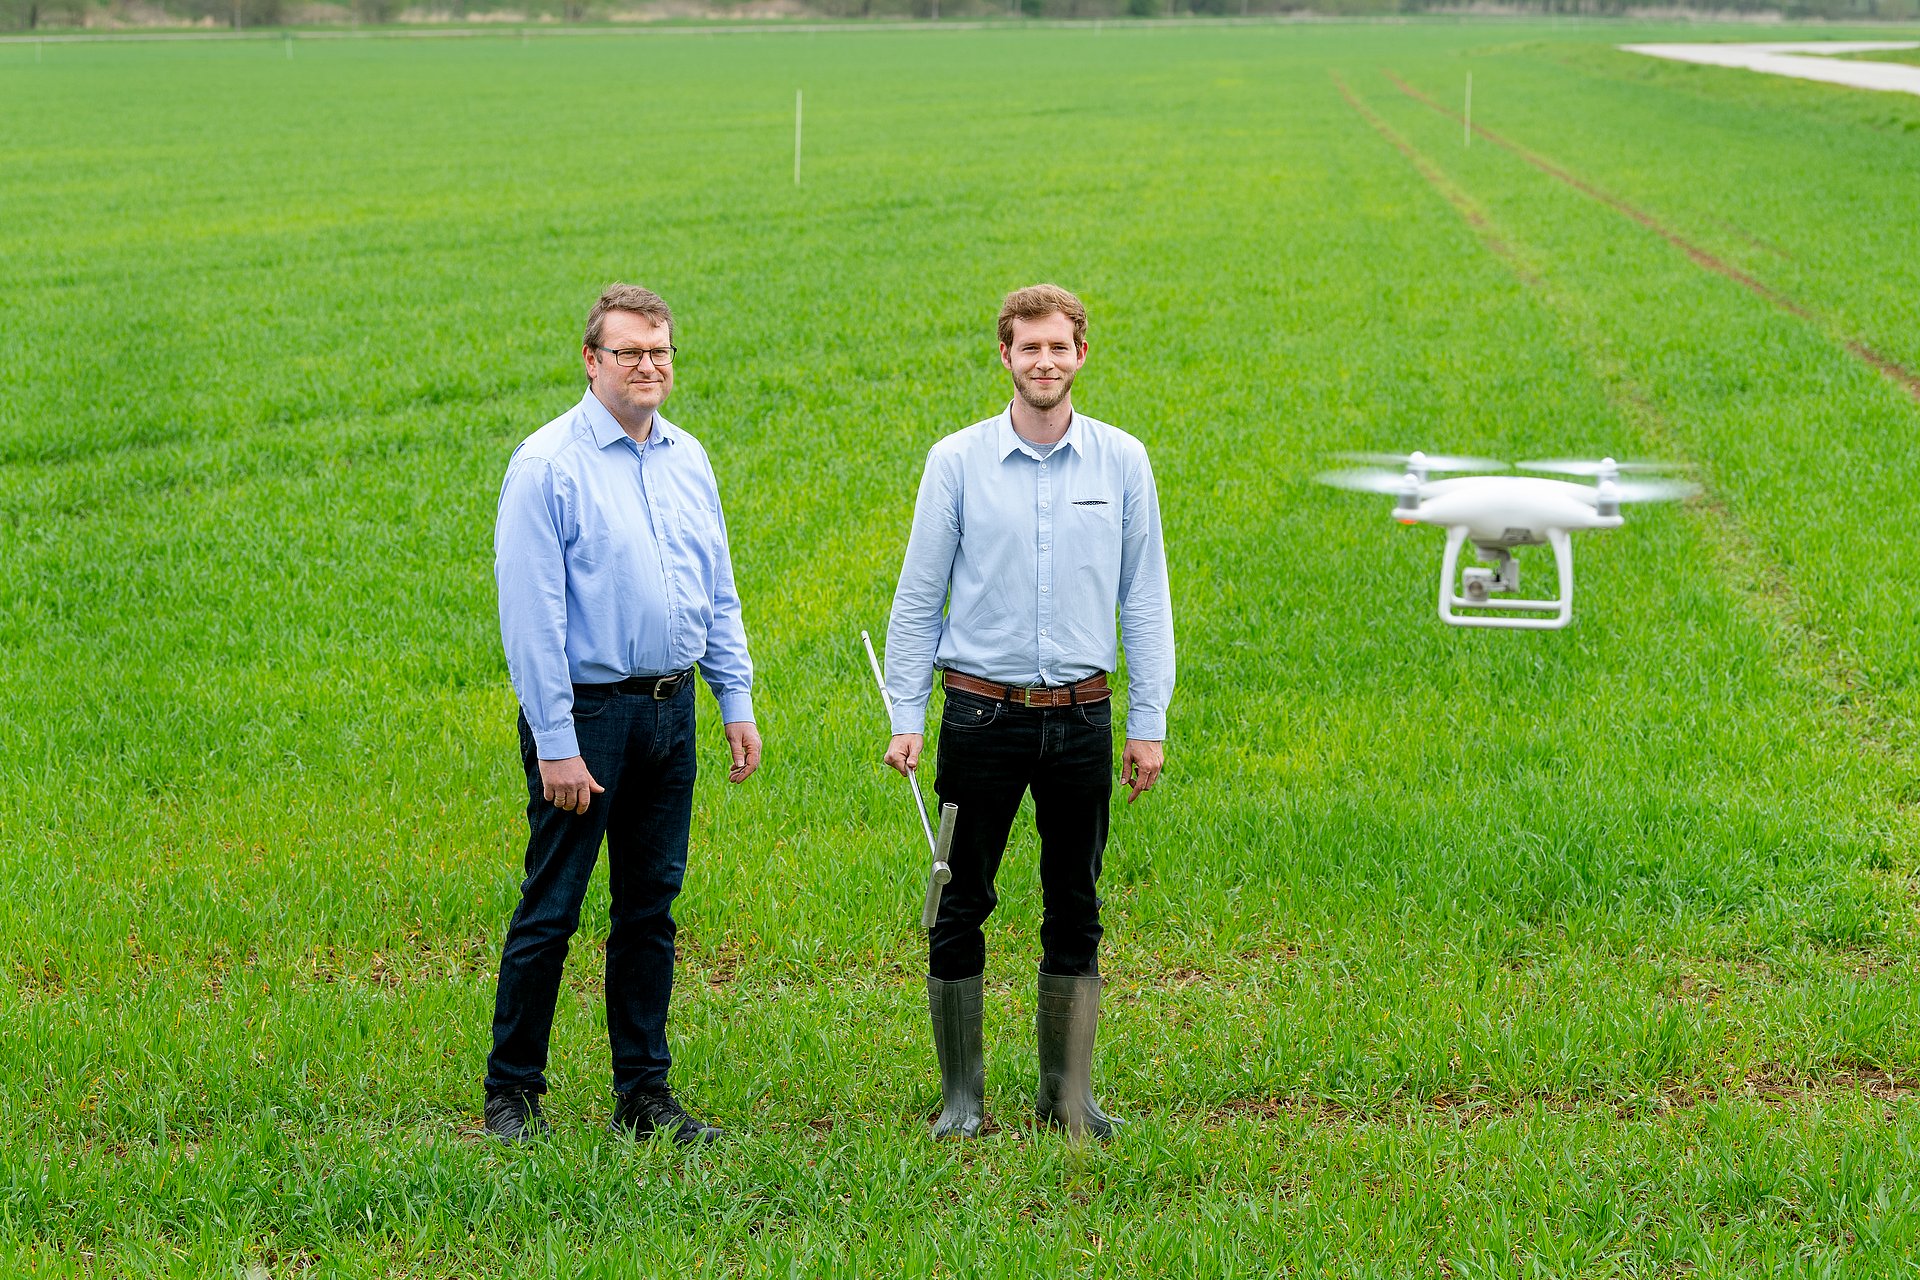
1092	689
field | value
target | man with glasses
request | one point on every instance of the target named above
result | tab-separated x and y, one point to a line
615	584
1033	530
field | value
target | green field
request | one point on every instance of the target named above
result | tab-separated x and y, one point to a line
1437	953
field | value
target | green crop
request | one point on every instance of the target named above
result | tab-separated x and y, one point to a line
1437	952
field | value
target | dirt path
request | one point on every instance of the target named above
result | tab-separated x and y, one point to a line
1791	59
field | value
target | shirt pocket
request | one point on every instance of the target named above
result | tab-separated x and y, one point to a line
1094	512
699	526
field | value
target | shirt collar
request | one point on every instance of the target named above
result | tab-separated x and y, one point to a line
607	429
1009	439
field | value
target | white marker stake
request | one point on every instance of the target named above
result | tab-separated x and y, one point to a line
796	137
1468	118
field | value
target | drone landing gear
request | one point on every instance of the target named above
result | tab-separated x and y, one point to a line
1481	584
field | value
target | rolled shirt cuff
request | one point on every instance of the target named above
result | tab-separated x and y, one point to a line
1147	726
557	744
910	717
736	707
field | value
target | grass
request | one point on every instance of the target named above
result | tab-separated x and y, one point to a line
1886	55
1578	954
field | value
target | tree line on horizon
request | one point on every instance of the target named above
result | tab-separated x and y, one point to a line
31	15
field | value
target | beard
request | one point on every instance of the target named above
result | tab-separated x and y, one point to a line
1041	398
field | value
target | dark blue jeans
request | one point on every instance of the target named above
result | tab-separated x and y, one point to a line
990	753
642	752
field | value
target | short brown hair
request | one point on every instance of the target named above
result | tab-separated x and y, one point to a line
628	297
1038	300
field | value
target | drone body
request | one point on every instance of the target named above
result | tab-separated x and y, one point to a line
1510	511
1498	513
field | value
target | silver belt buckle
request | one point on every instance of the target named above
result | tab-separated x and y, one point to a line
666	686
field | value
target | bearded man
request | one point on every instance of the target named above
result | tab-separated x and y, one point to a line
1033	531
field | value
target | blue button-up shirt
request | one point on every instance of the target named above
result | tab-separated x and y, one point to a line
612	562
1017	565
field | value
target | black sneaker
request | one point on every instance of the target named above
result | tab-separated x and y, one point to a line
514	1116
641	1113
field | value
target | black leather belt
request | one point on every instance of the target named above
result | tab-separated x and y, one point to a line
659	688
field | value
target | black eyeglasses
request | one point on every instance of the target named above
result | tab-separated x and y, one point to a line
629	357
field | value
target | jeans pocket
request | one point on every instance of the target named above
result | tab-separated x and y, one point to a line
968	713
590	706
1097	715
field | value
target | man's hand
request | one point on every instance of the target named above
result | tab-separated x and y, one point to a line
568	784
743	740
903	752
1140	765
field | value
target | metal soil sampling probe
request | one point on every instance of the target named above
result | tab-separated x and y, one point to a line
938	844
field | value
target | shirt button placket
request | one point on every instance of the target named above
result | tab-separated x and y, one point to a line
1044	604
659	540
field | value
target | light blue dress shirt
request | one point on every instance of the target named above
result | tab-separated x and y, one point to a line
612	561
1017	565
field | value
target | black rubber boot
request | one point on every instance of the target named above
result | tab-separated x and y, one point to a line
1066	1017
956	1042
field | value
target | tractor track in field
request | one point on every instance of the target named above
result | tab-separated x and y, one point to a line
1701	257
1750	570
1462	203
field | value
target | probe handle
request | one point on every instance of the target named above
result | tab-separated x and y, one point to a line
941	873
913	779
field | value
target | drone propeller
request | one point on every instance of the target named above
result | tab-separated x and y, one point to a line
1392	483
1424	462
1652	490
1605	466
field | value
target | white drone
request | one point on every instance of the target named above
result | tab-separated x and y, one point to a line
1499	513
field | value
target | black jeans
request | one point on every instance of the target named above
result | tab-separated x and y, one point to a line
642	752
990	753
